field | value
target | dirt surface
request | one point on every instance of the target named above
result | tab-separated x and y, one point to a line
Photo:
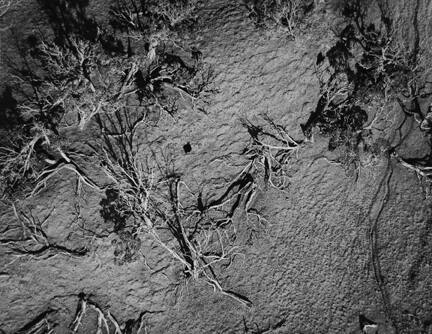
311	268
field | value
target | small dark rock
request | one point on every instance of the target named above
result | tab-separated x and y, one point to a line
187	147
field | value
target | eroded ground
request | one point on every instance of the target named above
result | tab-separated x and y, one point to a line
312	268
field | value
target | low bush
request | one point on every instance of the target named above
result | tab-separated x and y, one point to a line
283	13
364	64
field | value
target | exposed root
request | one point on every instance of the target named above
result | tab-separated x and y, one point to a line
106	322
35	242
40	325
50	172
419	167
237	297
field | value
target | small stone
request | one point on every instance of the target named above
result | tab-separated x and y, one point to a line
187	147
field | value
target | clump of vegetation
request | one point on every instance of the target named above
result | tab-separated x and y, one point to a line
365	63
154	23
156	28
151	200
84	72
62	86
269	152
282	13
33	150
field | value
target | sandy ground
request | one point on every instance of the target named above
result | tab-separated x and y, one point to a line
310	270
